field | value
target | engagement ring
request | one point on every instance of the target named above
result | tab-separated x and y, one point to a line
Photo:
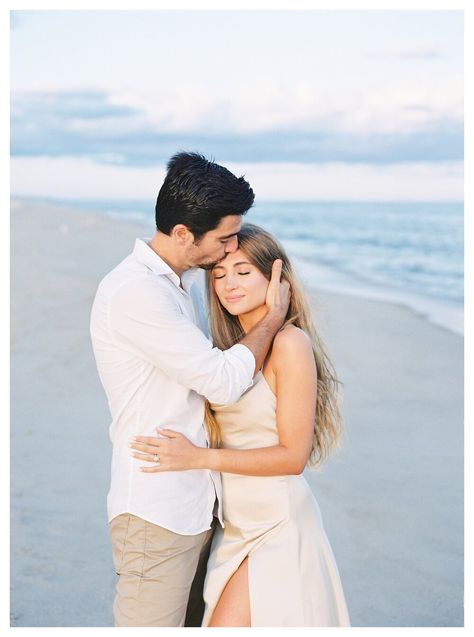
156	457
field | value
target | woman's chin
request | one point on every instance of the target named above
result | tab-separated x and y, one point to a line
234	311
238	309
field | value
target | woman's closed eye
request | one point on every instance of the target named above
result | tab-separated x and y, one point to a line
223	275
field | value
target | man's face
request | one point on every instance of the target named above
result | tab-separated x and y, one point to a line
216	244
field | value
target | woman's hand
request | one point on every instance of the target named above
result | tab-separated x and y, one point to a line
171	452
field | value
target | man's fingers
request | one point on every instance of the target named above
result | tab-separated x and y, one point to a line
273	291
276	270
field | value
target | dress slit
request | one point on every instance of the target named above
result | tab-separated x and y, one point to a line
275	522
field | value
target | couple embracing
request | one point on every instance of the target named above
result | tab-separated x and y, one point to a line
215	413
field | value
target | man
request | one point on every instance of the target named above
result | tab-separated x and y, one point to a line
157	366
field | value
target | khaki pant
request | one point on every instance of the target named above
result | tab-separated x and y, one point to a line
159	571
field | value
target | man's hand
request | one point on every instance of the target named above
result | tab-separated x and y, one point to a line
278	292
259	339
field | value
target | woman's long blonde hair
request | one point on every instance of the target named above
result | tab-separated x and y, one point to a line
262	249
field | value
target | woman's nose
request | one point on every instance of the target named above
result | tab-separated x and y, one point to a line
230	282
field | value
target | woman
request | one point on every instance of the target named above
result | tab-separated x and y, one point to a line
272	564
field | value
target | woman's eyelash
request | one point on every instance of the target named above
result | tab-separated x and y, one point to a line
223	275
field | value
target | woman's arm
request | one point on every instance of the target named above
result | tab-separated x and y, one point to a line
292	363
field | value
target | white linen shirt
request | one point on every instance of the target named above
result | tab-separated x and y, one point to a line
156	365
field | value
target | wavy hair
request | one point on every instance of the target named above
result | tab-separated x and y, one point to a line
199	193
262	249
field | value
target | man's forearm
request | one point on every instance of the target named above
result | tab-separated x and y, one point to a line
261	336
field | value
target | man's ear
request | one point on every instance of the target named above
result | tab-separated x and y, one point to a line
182	234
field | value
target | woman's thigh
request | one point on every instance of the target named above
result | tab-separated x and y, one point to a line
233	607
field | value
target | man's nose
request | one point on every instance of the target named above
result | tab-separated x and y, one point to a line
231	245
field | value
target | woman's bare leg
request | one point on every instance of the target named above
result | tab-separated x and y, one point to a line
233	607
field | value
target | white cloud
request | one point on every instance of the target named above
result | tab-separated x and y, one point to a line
401	108
413	53
74	178
419	181
81	178
267	106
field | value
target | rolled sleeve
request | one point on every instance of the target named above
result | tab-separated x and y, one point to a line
247	360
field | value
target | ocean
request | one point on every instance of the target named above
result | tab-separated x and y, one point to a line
405	253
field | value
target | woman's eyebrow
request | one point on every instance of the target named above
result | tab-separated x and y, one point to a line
221	267
234	265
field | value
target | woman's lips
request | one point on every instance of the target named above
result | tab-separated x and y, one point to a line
233	299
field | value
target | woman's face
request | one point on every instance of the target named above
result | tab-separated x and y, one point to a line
239	285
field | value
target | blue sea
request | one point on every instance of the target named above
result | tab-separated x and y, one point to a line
408	253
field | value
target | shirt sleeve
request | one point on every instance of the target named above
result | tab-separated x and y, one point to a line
147	321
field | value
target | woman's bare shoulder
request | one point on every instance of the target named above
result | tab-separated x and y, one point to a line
291	341
292	356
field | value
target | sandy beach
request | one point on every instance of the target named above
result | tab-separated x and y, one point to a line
392	499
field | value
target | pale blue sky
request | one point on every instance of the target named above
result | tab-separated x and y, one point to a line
343	50
126	88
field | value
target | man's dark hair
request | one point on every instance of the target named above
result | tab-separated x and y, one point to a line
199	193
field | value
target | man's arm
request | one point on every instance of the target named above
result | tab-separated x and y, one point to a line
146	320
296	387
260	338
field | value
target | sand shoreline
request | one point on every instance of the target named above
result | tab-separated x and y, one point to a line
392	500
318	277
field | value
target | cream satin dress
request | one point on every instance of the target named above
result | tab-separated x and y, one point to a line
276	522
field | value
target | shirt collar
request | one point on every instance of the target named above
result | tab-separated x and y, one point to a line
155	263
